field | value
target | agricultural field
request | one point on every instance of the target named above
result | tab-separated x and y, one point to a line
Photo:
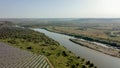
11	57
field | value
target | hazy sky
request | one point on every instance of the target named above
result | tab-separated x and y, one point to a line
59	8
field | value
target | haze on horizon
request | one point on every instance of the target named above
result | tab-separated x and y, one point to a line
59	9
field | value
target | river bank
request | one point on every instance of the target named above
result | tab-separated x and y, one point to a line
106	50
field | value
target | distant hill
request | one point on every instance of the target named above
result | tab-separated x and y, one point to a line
97	20
36	22
6	23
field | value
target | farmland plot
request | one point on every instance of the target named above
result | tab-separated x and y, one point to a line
11	57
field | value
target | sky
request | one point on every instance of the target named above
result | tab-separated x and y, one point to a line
59	8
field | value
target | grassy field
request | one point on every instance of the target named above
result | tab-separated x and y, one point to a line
38	43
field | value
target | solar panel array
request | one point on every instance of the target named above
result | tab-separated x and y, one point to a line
11	57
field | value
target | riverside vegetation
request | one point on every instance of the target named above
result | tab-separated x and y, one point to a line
39	43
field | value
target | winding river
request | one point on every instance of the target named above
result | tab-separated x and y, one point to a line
99	59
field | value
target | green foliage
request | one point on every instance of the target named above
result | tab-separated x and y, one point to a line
82	59
83	66
64	53
91	65
12	41
78	57
29	47
87	62
25	34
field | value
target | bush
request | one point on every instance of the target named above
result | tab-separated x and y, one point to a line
91	65
83	66
58	54
77	64
12	41
87	62
64	53
78	57
47	54
29	47
73	66
82	59
95	67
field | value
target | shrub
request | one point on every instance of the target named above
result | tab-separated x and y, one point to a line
64	53
87	62
47	54
58	54
73	66
78	57
29	47
82	59
77	64
91	65
83	66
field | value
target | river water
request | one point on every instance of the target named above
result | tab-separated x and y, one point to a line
99	59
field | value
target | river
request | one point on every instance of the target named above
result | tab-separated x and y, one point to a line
99	59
